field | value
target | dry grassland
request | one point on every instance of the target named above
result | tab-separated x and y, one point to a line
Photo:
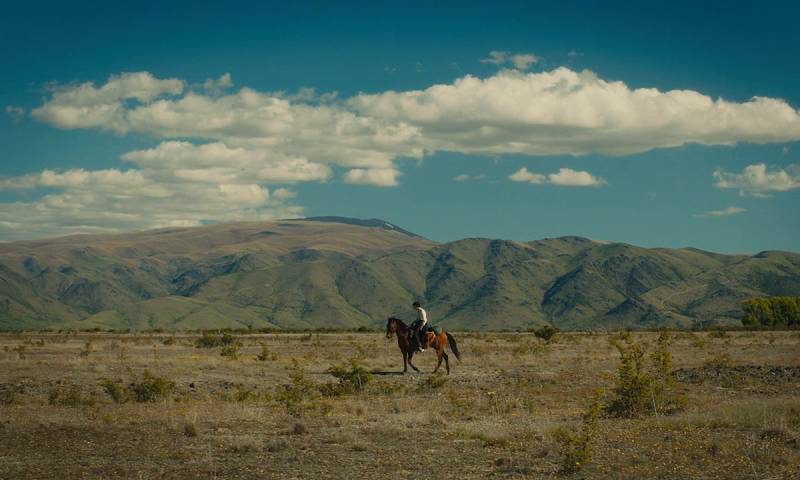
273	410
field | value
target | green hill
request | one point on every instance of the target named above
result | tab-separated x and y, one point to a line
340	272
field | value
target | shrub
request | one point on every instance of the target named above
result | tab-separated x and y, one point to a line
151	388
546	333
190	428
353	378
433	382
575	447
719	362
718	333
87	349
210	340
69	397
242	394
641	387
8	397
265	354
117	392
231	351
295	396
168	341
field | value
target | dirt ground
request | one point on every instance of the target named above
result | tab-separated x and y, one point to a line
494	416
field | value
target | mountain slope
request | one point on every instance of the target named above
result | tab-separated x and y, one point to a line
339	272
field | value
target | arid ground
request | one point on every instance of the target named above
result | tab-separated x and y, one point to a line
283	415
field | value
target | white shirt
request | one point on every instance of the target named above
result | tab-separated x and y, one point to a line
421	315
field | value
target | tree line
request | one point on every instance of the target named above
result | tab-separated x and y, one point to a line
772	312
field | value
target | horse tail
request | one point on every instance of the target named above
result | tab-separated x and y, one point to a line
453	345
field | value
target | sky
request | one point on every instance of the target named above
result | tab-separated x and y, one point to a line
660	124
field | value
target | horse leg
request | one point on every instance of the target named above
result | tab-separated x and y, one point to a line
405	361
439	364
411	354
446	362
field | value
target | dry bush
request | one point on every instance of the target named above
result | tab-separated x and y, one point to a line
231	351
265	354
575	446
71	396
719	361
546	333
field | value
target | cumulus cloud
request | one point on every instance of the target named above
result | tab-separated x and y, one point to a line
217	149
105	107
216	162
565	177
520	61
379	177
725	212
758	180
217	86
112	200
568	112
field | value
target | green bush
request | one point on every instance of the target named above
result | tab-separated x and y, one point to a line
643	387
774	312
296	396
353	378
575	447
151	388
433	382
116	391
210	340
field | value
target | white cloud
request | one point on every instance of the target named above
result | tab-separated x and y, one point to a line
523	175
725	212
113	200
565	177
87	106
213	162
465	177
219	148
570	178
758	180
380	177
520	61
284	193
217	86
567	112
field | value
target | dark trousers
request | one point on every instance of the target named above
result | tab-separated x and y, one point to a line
419	331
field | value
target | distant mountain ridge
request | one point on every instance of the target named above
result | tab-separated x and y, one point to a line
337	272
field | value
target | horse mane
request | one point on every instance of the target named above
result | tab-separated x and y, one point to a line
402	323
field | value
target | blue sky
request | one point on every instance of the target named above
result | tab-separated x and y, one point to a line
560	92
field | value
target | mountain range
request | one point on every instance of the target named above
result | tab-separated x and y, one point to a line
334	272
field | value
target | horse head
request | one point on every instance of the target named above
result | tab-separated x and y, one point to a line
391	327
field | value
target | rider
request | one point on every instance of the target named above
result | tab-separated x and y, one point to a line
420	326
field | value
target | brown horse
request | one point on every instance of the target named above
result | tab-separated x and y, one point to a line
395	326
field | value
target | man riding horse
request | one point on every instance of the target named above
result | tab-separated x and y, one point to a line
420	326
